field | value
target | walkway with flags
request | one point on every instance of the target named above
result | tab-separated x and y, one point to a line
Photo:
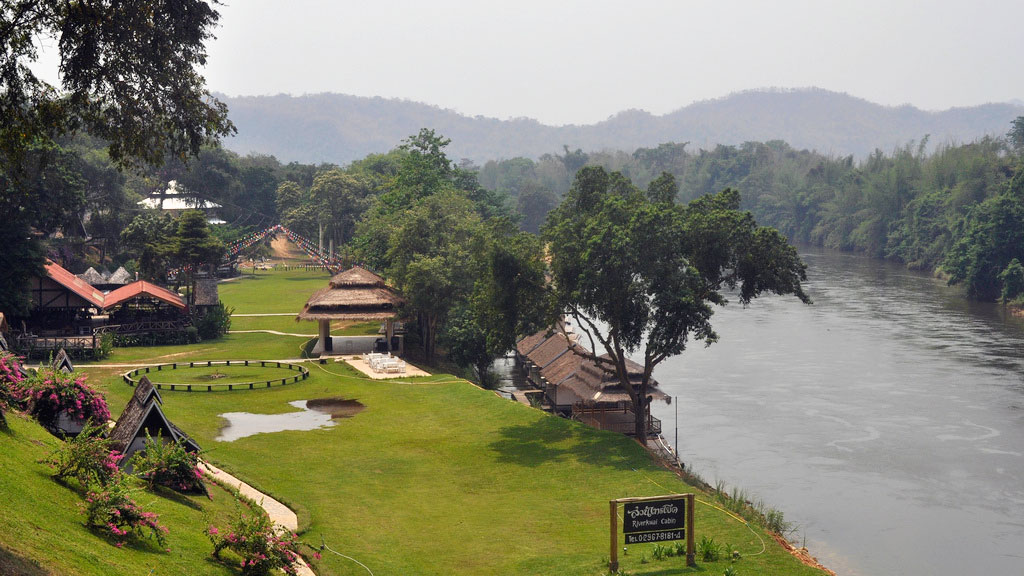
311	249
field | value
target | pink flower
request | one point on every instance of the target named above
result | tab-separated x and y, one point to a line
212	531
316	555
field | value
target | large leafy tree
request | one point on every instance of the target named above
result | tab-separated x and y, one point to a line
508	300
639	273
128	75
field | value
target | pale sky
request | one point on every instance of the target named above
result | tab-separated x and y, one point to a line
564	62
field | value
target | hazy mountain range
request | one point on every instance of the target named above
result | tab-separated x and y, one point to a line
339	128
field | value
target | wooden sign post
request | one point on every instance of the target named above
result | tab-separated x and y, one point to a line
652	519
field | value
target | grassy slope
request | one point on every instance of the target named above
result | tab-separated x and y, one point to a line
272	292
435	477
42	523
439	477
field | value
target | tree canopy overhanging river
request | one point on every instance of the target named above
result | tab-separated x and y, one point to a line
886	420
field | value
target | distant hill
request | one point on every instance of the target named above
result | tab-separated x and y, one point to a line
338	128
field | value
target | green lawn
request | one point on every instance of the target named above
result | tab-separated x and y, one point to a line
256	346
43	528
437	476
288	325
272	292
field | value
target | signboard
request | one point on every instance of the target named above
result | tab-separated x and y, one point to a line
654	521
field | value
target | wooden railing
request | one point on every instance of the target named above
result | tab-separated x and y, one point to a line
619	420
144	327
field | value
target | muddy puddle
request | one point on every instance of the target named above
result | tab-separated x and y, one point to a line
314	414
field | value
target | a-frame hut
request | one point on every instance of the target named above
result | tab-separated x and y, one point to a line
62	363
354	295
142	415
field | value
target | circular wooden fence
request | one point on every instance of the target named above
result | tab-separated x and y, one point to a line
131	379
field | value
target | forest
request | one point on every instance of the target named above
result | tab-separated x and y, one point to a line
461	240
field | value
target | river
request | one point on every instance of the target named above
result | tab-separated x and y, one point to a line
886	420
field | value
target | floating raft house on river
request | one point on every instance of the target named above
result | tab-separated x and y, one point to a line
577	387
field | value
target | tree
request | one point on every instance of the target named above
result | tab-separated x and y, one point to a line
192	247
42	194
340	200
508	300
640	275
1016	134
986	240
128	75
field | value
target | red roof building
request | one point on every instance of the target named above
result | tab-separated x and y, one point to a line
61	289
143	289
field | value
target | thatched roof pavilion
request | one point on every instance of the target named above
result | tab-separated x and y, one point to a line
353	295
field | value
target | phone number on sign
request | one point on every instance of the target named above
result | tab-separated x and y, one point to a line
655	536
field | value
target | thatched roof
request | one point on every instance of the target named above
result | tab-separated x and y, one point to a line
93	277
206	292
355	294
143	414
357	276
120	276
530	343
563	363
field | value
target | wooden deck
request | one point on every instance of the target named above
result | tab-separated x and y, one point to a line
615	419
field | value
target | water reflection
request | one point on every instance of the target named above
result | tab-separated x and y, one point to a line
242	424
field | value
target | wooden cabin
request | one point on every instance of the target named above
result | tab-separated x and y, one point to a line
143	415
353	295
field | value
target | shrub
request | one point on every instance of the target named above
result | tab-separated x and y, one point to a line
12	392
112	511
253	538
709	550
168	464
87	458
215	322
106	346
53	392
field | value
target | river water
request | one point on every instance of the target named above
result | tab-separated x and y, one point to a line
886	420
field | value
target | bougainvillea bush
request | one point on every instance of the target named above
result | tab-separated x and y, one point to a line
12	392
53	392
168	464
112	511
254	540
87	458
